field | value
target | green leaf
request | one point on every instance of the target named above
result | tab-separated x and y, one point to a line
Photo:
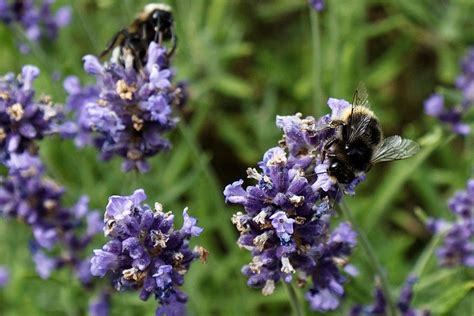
444	303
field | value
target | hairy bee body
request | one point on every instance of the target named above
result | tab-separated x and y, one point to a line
358	143
129	45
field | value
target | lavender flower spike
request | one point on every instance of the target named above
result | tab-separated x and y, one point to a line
38	21
286	219
453	116
146	252
458	244
126	112
23	120
27	196
379	308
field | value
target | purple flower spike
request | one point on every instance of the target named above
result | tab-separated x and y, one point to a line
458	244
23	119
286	219
146	252
435	105
127	111
380	305
27	196
38	21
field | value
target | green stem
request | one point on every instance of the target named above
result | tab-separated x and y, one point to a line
423	260
295	305
130	182
38	53
374	260
316	42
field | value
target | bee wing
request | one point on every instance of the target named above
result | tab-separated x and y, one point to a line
395	148
358	130
361	97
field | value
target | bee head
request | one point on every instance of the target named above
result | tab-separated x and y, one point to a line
163	20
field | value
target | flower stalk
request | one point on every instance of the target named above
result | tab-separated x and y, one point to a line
374	260
295	304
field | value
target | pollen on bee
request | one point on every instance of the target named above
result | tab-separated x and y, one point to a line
357	109
156	6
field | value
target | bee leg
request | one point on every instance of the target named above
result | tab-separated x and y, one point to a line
174	40
326	147
336	123
113	41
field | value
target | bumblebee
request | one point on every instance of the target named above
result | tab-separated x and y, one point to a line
130	44
358	142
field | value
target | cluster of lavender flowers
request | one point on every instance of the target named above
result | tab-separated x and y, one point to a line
453	116
458	244
379	308
60	233
37	21
317	5
23	119
146	252
286	221
126	111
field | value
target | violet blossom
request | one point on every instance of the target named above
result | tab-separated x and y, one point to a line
454	116
379	308
286	223
458	241
126	111
37	20
146	252
23	119
58	239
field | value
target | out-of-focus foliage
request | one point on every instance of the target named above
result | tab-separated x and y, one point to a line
246	61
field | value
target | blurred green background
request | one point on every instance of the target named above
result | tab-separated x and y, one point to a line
245	62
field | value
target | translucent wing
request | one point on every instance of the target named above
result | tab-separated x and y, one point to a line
395	148
358	128
361	97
